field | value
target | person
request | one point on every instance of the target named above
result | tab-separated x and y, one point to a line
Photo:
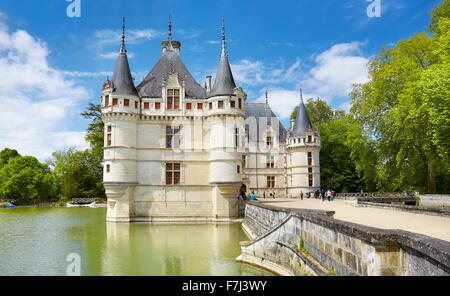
323	195
264	194
301	195
317	194
253	196
328	194
333	194
273	195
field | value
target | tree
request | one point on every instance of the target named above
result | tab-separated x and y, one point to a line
77	174
7	154
24	177
404	108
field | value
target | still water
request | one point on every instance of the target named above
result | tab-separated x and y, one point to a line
37	241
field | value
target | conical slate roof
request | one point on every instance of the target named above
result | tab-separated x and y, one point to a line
302	123
224	83
170	62
263	110
122	79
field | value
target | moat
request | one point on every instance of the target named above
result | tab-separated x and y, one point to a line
36	241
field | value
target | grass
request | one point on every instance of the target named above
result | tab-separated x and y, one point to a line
331	271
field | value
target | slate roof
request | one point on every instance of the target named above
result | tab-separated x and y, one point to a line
169	62
302	122
122	79
262	110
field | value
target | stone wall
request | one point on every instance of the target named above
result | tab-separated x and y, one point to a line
435	200
297	242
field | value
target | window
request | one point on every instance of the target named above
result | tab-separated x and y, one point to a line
269	142
309	159
310	180
309	139
126	103
188	106
109	136
233	104
157	106
244	161
173	99
310	170
199	106
238	169
270	161
106	101
236	137
173	173
220	104
172	137
240	103
115	102
270	181
210	106
108	168
136	104
146	105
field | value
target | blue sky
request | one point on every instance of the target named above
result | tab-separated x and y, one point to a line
53	66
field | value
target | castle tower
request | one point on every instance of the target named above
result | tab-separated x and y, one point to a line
225	119
303	151
120	112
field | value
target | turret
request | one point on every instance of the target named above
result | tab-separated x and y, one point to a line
120	114
303	151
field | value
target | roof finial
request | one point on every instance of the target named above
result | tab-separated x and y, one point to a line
122	46
224	50
267	97
170	27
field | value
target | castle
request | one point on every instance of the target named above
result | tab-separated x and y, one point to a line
179	151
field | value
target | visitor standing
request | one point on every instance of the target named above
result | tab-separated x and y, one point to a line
333	194
301	195
253	196
273	195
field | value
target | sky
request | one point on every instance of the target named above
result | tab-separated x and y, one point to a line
53	65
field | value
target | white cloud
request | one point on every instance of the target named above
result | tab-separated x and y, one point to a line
36	100
109	36
256	73
337	69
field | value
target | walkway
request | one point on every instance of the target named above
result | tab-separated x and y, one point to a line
434	226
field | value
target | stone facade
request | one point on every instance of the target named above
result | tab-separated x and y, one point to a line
177	151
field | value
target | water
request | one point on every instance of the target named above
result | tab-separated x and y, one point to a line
37	241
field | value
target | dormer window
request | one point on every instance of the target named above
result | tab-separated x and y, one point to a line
173	99
220	104
233	104
309	139
106	101
126	103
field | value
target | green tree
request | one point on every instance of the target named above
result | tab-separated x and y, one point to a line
24	177
7	154
78	174
404	108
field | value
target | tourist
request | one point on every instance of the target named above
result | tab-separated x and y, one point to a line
323	195
264	195
273	195
301	195
333	194
253	196
329	195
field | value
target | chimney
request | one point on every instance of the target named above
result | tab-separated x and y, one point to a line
292	123
208	83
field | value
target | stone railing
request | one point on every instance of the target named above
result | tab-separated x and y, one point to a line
297	242
369	195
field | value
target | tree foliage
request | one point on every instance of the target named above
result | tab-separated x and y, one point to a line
24	177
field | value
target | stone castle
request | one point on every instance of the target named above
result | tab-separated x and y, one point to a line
179	151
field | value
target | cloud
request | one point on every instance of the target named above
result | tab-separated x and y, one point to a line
36	100
251	73
337	69
283	101
189	34
108	36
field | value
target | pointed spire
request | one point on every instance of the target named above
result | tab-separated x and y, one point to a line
122	45
267	97
302	123
224	83
170	29
122	79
